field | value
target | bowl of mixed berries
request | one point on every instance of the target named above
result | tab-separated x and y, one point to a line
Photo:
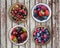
41	35
18	35
18	12
41	12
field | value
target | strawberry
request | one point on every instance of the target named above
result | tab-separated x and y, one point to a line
12	37
40	14
24	36
47	13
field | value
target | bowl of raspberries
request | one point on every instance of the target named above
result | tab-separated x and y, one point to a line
41	35
41	12
18	35
18	12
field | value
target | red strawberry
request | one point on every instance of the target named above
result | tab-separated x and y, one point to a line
46	13
24	36
40	14
12	37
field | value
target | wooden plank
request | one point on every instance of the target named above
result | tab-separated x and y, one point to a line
8	24
59	23
31	25
27	22
3	24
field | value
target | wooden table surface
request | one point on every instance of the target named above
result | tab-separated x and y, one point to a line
6	24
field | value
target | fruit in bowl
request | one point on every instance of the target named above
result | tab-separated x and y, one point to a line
18	12
41	12
41	35
18	35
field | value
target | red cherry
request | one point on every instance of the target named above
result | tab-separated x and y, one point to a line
37	40
46	13
20	10
12	37
15	11
24	36
17	19
40	14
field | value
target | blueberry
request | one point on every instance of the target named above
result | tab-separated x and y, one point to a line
45	39
35	15
39	9
38	34
45	17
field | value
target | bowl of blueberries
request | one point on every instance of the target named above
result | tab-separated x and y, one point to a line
41	12
18	35
41	35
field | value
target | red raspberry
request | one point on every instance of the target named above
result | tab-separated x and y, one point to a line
34	33
15	33
45	36
37	30
46	13
37	40
42	42
42	36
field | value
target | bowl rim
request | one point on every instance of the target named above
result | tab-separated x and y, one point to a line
49	32
48	9
9	34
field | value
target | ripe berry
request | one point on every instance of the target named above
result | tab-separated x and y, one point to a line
12	37
40	14
47	13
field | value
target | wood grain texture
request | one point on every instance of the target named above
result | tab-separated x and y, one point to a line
53	23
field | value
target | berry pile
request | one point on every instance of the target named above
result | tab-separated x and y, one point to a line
41	12
41	35
18	35
18	12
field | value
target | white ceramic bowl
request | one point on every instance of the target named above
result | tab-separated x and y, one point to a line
9	34
48	9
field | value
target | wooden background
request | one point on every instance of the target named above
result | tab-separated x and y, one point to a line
6	24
